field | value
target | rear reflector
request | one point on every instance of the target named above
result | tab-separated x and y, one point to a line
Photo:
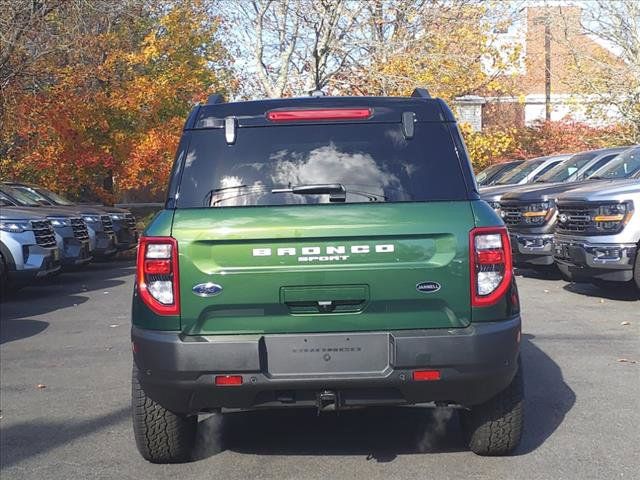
319	114
426	375
228	380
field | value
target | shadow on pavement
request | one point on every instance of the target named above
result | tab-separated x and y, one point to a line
62	291
11	330
541	273
381	434
25	440
548	397
621	292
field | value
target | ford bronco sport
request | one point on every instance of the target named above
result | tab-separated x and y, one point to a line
329	253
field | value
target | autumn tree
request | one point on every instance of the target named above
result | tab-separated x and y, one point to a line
608	78
106	116
450	47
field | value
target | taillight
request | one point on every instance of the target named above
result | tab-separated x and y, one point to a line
157	274
490	263
319	114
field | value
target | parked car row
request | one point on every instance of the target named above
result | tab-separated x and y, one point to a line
42	233
577	215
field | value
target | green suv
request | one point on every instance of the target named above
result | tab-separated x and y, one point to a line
330	253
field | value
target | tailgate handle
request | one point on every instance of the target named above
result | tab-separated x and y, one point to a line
325	299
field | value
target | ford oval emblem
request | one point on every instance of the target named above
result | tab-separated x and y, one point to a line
207	289
428	287
563	218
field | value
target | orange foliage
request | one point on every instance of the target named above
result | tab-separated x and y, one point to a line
111	117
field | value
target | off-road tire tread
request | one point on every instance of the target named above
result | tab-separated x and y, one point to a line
161	435
494	428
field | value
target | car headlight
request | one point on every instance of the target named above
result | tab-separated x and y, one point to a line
116	216
15	226
611	217
60	221
537	213
91	218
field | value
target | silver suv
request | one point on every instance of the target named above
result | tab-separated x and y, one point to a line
28	248
598	231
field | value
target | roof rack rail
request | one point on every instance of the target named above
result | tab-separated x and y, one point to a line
214	99
421	93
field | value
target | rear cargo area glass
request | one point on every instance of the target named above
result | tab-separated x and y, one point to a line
375	162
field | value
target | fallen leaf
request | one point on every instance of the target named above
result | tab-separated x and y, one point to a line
41	386
626	360
546	291
625	323
602	300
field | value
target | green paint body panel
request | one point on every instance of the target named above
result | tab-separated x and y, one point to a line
274	293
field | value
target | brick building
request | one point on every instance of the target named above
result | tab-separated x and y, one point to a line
561	24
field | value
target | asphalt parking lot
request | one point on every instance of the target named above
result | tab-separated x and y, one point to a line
64	397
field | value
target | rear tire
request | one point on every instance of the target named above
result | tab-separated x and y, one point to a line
495	427
161	435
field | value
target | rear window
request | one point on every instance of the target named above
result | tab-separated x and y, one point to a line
374	162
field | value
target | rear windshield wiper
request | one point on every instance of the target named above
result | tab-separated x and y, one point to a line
336	191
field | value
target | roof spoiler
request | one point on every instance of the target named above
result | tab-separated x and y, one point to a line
421	93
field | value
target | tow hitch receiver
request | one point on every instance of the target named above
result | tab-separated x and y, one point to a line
328	401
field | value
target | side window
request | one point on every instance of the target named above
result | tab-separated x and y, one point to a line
5	202
596	166
544	169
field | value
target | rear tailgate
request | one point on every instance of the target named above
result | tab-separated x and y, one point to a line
324	268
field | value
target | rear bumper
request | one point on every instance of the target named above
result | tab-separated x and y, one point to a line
584	260
179	372
532	249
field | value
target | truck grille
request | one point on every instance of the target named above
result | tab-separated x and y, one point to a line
575	218
131	221
79	229
107	224
512	214
43	231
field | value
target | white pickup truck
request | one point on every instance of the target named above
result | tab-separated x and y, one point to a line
597	236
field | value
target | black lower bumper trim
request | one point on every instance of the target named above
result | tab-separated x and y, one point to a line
179	372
